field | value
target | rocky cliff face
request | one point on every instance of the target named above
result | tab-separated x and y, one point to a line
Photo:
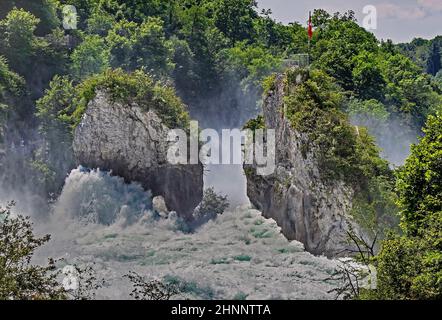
132	143
306	208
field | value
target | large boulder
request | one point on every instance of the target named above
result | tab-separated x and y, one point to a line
305	207
132	143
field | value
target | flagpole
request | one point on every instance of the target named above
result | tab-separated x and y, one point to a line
309	39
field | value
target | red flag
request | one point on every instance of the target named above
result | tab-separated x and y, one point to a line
310	27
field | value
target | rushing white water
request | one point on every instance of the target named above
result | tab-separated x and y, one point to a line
99	219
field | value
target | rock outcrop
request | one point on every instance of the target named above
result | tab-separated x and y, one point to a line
307	209
132	143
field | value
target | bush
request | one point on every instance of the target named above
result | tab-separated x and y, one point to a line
17	40
136	87
90	57
410	266
145	289
20	280
67	103
419	181
243	258
210	207
191	288
314	106
255	124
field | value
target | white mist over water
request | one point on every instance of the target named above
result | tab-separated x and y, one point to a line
100	219
228	110
392	137
228	180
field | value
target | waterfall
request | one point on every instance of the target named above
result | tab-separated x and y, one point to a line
100	219
96	196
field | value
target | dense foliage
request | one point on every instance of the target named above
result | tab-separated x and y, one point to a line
410	266
376	77
19	279
420	180
315	106
426	53
215	54
11	88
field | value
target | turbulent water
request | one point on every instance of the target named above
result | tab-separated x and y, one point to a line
99	219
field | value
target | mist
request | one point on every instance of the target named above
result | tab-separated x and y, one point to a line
392	137
99	220
230	108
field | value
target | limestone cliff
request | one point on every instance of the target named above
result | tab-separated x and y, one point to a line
132	143
307	209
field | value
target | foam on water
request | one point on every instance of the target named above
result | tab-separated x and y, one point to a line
240	254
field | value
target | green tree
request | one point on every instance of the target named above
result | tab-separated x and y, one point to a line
11	90
90	57
210	208
11	84
272	34
139	10
22	280
54	157
184	74
425	53
434	63
420	180
367	111
408	91
410	266
154	53
19	279
121	40
299	40
100	22
438	79
17	39
44	10
135	46
337	43
234	18
367	76
249	64
320	18
205	41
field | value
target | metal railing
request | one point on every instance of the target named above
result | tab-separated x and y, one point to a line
301	60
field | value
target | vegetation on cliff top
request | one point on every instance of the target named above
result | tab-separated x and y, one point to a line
69	102
315	106
213	49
